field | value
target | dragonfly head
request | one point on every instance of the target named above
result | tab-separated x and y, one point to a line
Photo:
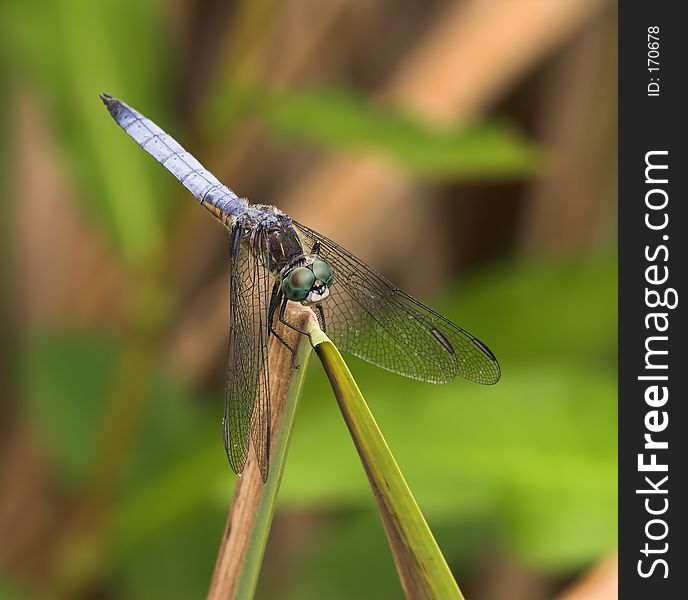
308	283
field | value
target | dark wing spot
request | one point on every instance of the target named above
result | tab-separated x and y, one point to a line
484	348
442	339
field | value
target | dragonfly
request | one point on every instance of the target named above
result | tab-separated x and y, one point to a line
275	260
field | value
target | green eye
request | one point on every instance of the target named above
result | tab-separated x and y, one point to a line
298	283
323	272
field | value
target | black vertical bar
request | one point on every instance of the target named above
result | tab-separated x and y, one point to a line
653	243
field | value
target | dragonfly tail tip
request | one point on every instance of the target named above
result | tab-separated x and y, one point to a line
111	103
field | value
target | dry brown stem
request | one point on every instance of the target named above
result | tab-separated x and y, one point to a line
251	496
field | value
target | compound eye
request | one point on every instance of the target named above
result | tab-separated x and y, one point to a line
323	272
298	283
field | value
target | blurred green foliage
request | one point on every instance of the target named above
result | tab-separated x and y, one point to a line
528	465
72	50
533	459
67	376
343	121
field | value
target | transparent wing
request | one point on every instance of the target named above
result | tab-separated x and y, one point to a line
247	386
367	316
171	155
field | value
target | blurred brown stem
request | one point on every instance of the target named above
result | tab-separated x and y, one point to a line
599	583
248	523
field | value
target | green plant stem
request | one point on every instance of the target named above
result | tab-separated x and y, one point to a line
423	571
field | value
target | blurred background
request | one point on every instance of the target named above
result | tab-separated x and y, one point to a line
466	149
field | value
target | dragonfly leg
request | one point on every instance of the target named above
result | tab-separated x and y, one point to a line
294	364
316	248
321	317
275	299
283	308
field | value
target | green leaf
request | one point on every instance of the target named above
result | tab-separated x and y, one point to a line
174	563
174	492
347	558
343	121
11	590
347	543
67	377
564	309
423	571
